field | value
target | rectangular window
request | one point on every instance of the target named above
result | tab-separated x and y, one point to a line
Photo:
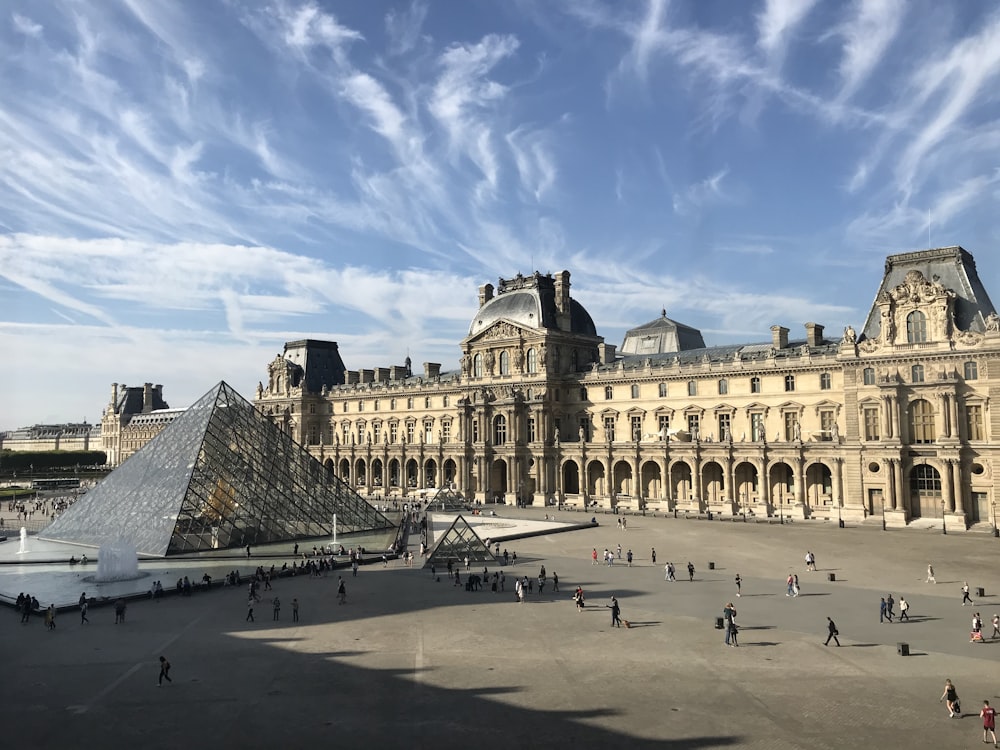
664	422
532	437
756	427
345	432
868	376
314	433
971	370
826	424
725	426
429	432
824	381
694	422
791	426
637	428
475	430
871	423
410	431
376	432
974	421
585	429
446	432
609	429
393	432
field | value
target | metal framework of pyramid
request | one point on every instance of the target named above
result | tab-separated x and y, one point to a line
458	542
221	475
447	499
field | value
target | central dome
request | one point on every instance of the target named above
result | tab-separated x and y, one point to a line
534	301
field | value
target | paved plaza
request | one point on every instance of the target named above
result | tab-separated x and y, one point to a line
413	662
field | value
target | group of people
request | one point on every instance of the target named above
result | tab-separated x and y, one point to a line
987	713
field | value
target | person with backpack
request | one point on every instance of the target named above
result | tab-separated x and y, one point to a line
950	696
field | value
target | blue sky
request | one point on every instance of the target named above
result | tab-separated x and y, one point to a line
186	185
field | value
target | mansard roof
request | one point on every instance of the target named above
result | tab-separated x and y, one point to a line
661	335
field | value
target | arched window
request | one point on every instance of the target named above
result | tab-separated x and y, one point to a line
971	370
917	373
500	430
532	359
755	385
609	392
504	363
392	404
789	382
635	391
916	327
723	387
868	376
692	387
663	390
583	394
477	366
922	422
925	481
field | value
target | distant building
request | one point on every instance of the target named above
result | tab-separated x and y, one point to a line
133	417
894	421
80	436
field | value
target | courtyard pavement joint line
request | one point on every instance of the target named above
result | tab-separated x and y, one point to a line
82	709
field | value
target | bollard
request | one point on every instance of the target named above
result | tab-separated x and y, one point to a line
831	576
719	624
711	566
903	649
980	592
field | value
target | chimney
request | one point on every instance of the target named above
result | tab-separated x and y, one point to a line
814	334
779	337
147	398
158	394
367	376
397	372
485	294
432	370
381	374
562	300
114	394
353	376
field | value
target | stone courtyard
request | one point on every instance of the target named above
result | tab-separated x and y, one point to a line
419	663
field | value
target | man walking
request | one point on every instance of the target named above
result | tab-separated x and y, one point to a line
728	613
890	605
690	571
882	611
965	594
250	610
295	610
904	609
996	626
832	631
930	574
276	603
989	715
164	671
739	585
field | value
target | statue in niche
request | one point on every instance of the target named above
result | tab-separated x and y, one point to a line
849	335
888	326
489	360
466	364
993	322
541	356
727	436
583	435
796	432
835	433
518	359
555	438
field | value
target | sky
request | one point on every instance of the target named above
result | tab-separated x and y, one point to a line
187	184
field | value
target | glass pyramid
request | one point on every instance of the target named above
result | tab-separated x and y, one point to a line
219	476
457	542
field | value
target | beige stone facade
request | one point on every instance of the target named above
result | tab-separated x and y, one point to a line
894	422
79	436
133	417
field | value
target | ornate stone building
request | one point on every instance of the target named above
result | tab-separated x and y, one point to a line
133	417
893	423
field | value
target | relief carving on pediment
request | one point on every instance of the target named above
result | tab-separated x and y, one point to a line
501	330
968	338
916	289
869	346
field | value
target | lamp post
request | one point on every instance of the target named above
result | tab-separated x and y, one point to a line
996	531
744	503
882	497
781	504
944	520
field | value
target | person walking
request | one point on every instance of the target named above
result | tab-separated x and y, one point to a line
342	590
555	581
666	572
652	555
904	609
628	557
930	574
164	671
295	610
965	594
728	613
882	611
250	610
83	612
739	585
50	617
890	606
832	632
276	604
950	696
690	571
789	585
989	717
616	611
795	585
593	556
996	626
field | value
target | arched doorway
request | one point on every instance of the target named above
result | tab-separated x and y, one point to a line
328	465
345	470
747	491
781	482
713	482
596	480
925	492
498	479
819	485
394	473
680	481
450	472
571	478
430	473
377	473
412	473
651	482
623	478
360	472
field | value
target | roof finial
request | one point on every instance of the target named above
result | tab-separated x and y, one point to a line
663	312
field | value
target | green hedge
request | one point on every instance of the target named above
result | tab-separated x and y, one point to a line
43	461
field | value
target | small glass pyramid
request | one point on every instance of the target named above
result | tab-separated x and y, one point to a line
457	543
220	476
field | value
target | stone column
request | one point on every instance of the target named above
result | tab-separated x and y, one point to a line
898	474
958	496
664	481
696	480
946	488
945	429
955	428
837	479
891	482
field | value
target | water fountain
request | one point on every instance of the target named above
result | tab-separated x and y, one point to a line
24	542
117	562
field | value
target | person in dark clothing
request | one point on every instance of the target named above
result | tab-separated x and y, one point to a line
831	627
616	612
164	671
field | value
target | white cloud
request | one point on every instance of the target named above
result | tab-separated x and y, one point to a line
867	36
703	193
24	25
403	27
778	21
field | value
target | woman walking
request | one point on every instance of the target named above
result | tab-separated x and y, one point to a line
950	696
